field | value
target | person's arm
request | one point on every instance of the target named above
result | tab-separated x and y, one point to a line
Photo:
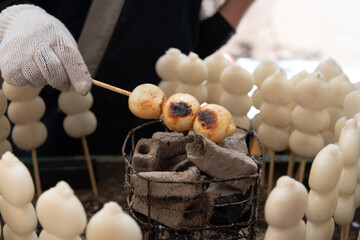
233	11
215	31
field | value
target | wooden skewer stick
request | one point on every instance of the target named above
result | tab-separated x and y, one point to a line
271	171
302	170
110	87
291	164
263	171
89	166
345	230
36	172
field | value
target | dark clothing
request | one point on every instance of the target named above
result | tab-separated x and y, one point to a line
144	31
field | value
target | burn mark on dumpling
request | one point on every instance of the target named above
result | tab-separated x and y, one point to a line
179	109
208	119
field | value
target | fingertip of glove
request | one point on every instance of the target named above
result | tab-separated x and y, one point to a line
83	87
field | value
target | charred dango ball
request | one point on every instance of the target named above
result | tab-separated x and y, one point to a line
146	101
214	122
179	112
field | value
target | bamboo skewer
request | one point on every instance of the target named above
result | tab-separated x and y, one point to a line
345	230
36	172
110	87
263	171
89	166
301	170
271	171
291	164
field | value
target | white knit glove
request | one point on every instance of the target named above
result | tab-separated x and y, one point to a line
37	49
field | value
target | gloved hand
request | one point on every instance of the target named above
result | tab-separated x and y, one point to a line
37	49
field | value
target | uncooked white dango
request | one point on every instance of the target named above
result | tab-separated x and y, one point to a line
321	206
3	103
275	138
74	124
112	223
10	235
310	121
70	102
304	144
16	183
29	136
242	121
20	93
352	104
313	92
179	112
236	104
166	65
236	80
256	122
216	63
266	68
24	112
257	98
214	122
277	89
347	183
60	212
349	142
335	114
296	232
21	219
299	76
326	169
276	115
340	88
192	70
146	101
45	235
322	231
339	125
198	91
286	203
345	210
330	68
5	127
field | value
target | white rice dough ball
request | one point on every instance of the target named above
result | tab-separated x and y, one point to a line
299	76
345	210
236	80
320	231
313	92
297	232
165	66
10	235
305	144
22	220
335	114
60	212
3	103
19	93
192	70
242	121
330	68
237	104
24	112
5	127
349	142
340	123
146	101
80	124
5	146
276	115
340	88
70	102
168	87
29	136
265	69
216	63
200	92
310	121
329	137
321	206
326	168
274	138
45	235
214	92
352	104
257	98
256	121
16	183
348	180
286	203
277	89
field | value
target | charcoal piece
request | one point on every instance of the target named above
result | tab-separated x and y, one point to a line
171	212
182	166
176	188
221	163
147	156
237	142
172	143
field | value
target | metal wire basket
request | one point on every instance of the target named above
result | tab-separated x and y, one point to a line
219	225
